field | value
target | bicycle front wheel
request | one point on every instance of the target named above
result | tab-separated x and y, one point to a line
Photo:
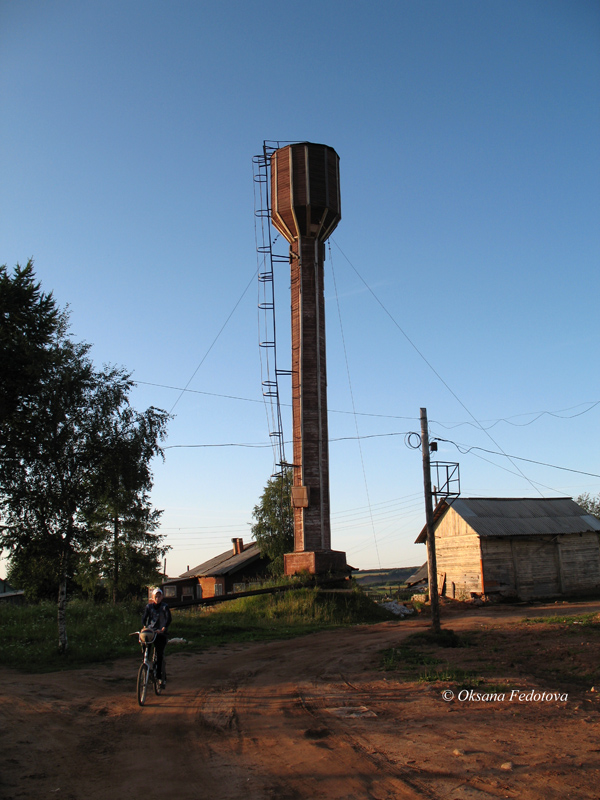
142	683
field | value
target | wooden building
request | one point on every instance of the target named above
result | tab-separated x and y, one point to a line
9	595
225	574
510	547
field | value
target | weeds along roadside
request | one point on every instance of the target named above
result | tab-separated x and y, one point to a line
98	632
549	652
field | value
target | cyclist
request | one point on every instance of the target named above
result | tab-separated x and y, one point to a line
157	617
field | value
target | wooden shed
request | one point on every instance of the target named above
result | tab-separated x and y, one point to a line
225	574
515	547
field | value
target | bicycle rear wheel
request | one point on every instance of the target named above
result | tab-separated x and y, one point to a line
142	683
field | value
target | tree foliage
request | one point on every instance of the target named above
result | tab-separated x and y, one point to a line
62	432
29	319
123	518
273	529
591	504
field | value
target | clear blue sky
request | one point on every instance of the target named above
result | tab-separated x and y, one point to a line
468	138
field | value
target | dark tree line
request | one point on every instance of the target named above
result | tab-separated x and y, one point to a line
75	458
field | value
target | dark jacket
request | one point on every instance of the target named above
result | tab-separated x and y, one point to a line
156	617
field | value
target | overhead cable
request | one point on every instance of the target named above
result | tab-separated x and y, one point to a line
467	449
362	461
431	367
250	282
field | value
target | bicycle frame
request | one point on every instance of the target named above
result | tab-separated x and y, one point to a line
147	670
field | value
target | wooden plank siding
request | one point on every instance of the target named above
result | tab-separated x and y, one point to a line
515	566
580	562
536	561
458	554
498	566
516	547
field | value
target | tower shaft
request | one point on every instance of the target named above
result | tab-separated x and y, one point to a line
305	193
312	529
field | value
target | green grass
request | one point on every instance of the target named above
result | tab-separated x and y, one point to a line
461	678
418	659
277	616
445	638
395	658
426	668
409	655
98	632
591	620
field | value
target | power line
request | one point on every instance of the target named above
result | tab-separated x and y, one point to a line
362	461
198	391
265	445
431	367
448	425
214	342
462	448
537	415
517	458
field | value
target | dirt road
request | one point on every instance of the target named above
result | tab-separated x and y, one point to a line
313	717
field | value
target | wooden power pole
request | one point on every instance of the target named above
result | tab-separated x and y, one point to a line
434	599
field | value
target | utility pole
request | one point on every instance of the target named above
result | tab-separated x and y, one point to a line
434	600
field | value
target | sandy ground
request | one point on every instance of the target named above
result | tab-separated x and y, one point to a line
313	717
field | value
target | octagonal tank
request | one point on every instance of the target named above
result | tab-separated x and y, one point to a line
305	191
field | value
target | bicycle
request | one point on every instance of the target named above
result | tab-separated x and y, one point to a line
147	670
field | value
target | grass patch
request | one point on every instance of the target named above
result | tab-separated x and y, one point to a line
414	663
98	632
553	653
591	620
461	678
276	616
395	658
445	638
421	658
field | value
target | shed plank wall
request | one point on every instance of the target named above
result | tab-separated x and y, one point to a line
525	566
580	562
542	566
458	554
498	567
537	566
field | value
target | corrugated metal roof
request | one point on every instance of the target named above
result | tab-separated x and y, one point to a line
225	563
525	516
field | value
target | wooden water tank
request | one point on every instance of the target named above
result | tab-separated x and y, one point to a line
305	191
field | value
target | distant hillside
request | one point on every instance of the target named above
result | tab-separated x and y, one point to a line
383	577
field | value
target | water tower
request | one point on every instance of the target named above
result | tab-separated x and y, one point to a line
305	209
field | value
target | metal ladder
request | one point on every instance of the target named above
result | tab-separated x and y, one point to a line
267	258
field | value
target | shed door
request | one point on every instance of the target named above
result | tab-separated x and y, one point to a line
537	568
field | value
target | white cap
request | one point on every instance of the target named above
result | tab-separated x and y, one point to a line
156	591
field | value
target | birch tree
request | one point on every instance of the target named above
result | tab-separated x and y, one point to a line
129	549
273	529
51	454
60	424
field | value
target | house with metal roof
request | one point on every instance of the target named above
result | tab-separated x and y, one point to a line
515	547
228	573
418	578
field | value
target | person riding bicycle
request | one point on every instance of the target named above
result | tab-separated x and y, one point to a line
157	617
